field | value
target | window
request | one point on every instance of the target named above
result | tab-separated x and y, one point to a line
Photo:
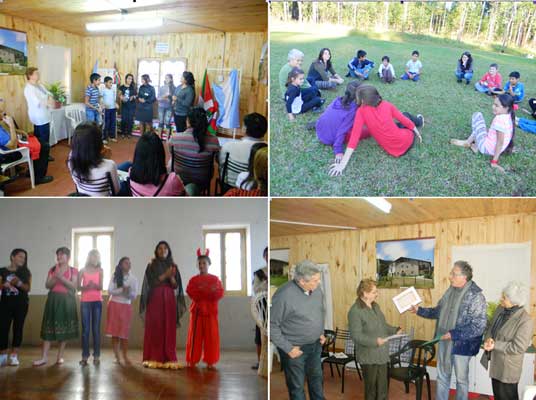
228	256
86	239
157	69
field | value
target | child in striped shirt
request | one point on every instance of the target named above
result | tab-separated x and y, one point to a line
92	99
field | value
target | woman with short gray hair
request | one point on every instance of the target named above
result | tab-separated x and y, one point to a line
506	339
295	59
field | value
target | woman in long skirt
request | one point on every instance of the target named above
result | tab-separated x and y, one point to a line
60	319
162	304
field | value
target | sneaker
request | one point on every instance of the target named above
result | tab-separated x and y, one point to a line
3	360
104	142
113	140
13	360
468	82
459	81
422	120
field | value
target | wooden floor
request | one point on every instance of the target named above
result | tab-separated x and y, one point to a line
62	185
233	380
353	390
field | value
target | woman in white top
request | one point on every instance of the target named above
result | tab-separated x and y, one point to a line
92	174
39	101
123	289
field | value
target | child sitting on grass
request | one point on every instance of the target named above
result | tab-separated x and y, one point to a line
359	67
490	82
321	73
500	136
378	116
386	72
299	101
513	87
413	68
335	124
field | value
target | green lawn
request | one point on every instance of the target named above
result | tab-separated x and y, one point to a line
299	162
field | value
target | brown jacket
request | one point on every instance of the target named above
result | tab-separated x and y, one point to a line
512	340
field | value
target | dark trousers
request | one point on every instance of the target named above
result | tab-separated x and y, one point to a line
532	105
42	133
127	119
109	124
414	119
180	122
310	99
307	366
504	391
376	381
13	309
90	312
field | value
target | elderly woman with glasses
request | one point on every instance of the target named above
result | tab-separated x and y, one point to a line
506	339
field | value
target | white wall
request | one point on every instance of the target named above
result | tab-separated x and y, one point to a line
42	225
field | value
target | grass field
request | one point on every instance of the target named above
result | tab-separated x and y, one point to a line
299	162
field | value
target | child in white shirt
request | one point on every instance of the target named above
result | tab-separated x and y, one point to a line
386	72
413	68
109	102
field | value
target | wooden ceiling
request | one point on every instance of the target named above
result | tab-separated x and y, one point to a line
360	214
179	16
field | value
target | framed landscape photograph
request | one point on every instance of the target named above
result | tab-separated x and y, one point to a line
13	52
404	263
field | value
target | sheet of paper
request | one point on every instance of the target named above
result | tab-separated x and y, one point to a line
395	336
409	297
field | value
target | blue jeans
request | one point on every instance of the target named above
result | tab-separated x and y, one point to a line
467	76
90	312
93	115
406	77
309	366
461	369
482	88
109	124
365	71
527	125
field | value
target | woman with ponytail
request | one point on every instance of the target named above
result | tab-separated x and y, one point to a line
194	149
500	136
123	289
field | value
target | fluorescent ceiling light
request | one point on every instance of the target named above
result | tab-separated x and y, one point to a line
132	24
279	221
380	203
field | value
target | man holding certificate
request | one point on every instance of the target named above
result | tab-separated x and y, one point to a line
461	321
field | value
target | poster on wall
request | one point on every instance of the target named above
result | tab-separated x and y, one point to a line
13	52
404	263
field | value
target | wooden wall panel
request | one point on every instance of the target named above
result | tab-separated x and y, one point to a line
201	50
12	87
350	262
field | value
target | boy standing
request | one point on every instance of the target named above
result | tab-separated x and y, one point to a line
109	96
92	97
413	68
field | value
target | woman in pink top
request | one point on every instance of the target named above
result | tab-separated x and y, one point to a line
60	319
500	136
148	174
90	284
377	114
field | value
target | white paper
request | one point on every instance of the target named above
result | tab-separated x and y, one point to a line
409	297
395	336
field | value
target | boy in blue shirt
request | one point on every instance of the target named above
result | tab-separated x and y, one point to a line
513	87
359	67
92	99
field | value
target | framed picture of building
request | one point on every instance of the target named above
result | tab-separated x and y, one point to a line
404	263
13	52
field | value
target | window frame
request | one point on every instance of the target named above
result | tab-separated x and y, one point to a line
244	264
160	61
94	232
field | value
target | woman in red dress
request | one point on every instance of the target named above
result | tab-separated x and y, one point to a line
162	303
205	290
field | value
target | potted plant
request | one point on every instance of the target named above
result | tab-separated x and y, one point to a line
57	91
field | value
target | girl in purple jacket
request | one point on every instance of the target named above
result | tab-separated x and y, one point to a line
336	122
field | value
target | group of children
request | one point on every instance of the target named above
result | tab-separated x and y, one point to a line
355	115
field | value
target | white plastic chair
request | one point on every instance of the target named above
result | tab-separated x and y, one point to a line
25	152
530	393
75	114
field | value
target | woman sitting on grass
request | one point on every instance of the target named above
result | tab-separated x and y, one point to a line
335	124
321	73
378	114
500	136
298	101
